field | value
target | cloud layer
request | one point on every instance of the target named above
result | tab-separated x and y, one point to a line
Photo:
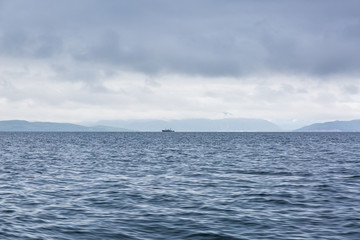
91	59
207	38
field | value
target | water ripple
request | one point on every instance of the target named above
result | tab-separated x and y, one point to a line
179	186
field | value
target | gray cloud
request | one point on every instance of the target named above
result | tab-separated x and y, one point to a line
21	44
207	38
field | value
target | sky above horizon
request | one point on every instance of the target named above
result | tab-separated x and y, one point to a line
88	60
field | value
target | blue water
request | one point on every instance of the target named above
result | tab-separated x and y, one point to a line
179	186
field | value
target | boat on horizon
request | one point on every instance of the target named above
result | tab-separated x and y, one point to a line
167	130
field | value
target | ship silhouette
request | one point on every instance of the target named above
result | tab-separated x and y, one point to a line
167	130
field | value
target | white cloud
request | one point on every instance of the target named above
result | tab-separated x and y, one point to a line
27	93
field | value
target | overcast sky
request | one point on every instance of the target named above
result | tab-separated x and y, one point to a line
88	60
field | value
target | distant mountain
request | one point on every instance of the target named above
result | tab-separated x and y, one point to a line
197	125
25	126
335	126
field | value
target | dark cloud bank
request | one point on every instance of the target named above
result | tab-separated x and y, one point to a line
203	37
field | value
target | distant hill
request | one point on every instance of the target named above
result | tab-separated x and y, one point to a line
25	126
197	125
335	126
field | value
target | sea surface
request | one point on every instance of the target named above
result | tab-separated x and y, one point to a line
179	186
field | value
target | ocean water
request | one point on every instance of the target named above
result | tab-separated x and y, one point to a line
179	186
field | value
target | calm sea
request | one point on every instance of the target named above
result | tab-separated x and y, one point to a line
179	186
